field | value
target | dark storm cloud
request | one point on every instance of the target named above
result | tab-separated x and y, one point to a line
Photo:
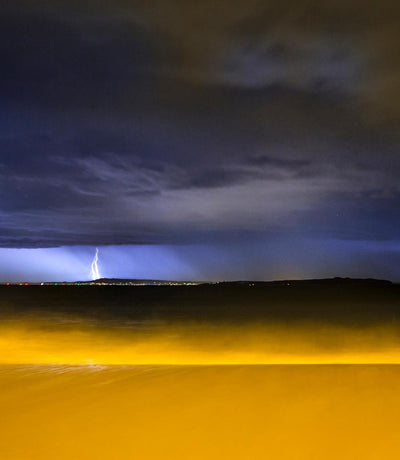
168	121
45	55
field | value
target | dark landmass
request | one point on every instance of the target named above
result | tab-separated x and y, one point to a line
340	300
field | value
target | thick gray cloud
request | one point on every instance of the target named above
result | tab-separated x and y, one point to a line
175	122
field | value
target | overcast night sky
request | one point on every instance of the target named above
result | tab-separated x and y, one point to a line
238	139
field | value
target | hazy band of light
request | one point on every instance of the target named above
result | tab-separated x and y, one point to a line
22	343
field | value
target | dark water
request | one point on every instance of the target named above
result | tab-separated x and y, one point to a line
318	322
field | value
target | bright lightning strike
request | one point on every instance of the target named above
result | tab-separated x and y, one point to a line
94	268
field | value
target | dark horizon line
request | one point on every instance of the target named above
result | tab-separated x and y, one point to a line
149	281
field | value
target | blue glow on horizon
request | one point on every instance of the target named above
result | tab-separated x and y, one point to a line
256	260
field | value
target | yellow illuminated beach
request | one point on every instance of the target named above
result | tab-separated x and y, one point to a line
74	390
196	412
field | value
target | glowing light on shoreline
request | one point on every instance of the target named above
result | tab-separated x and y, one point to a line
94	268
78	343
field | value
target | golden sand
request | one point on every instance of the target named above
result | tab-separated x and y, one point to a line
70	389
197	412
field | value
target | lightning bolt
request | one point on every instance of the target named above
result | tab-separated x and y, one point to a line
94	268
